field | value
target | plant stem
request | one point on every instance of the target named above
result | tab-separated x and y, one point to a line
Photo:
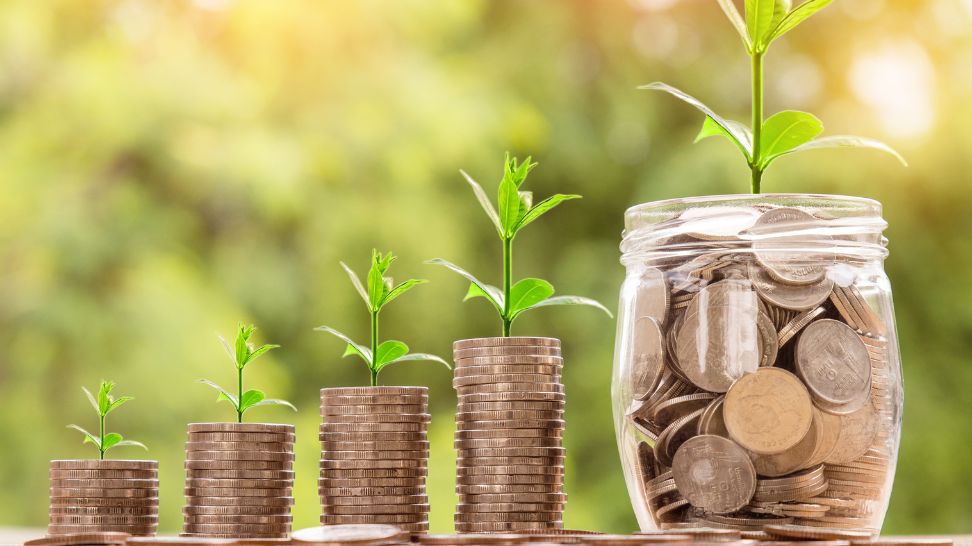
102	437
507	283
239	394
374	348
754	165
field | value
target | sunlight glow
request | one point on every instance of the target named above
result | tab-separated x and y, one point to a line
897	81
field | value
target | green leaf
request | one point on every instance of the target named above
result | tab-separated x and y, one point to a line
116	403
353	348
242	348
88	437
509	206
420	356
91	398
257	353
484	202
572	300
849	141
357	284
729	8
226	346
797	16
487	291
249	398
110	440
494	296
131	443
785	131
275	402
711	128
388	351
104	397
759	20
400	289
541	208
528	292
732	128
376	278
223	393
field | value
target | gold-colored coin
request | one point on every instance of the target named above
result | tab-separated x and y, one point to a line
358	428
340	519
79	539
508	489
494	388
368	409
239	446
106	483
275	428
714	474
239	465
522	396
196	500
274	456
364	400
106	464
364	492
512	350
383	446
797	457
240	474
512	424
517	479
513	452
505	369
532	379
768	411
354	463
245	437
505	342
379	418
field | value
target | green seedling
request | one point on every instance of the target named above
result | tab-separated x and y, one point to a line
242	354
379	293
785	132
516	211
104	404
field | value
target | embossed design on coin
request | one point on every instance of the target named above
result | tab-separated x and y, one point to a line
778	229
768	411
719	341
714	474
647	356
834	363
857	432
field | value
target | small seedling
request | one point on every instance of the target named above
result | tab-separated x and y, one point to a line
104	404
782	133
242	354
379	293
516	211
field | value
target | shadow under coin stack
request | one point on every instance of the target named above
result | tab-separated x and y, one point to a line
239	480
509	438
104	496
375	456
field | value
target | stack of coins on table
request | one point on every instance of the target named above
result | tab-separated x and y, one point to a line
239	480
375	456
510	424
90	496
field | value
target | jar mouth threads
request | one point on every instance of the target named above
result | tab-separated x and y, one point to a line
800	229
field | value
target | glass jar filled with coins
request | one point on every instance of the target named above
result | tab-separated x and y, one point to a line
757	376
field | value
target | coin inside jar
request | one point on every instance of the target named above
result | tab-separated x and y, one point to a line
834	363
714	474
647	356
779	242
768	411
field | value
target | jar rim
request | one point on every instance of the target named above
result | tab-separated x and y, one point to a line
820	200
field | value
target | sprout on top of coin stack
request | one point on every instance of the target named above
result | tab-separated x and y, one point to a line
239	476
510	474
374	446
99	495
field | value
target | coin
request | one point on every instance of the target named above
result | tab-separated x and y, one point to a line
510	350
504	369
178	541
494	397
334	483
233	528
374	500
330	492
374	399
553	387
106	483
82	529
373	436
66	510
79	539
204	500
374	391
513	452
58	474
238	465
241	427
101	492
376	455
377	427
508	433
58	519
341	535
511	424
546	405
505	342
421	462
670	410
337	519
343	509
541	441
230	510
271	437
328	411
719	343
768	411
515	479
647	355
506	526
857	433
239	446
789	296
506	489
238	483
509	470
103	464
209	519
712	420
237	492
373	472
714	474
380	418
795	458
516	498
509	415
275	456
472	380
798	323
240	474
799	532
104	501
779	240
834	364
675	435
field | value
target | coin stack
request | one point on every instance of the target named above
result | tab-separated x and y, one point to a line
375	456
509	438
763	357
91	496
239	480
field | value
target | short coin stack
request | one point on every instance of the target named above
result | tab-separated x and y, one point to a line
510	424
375	456
239	480
89	496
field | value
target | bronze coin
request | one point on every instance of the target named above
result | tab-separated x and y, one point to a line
373	436
507	489
379	418
501	369
507	527
239	446
374	499
798	532
195	500
512	424
363	400
508	433
57	529
275	428
349	473
512	470
505	342
486	517
70	510
517	360
106	483
235	510
542	441
233	528
522	396
274	456
380	446
519	498
246	437
350	510
68	519
513	452
714	474
364	492
339	519
78	539
233	519
56	474
239	465
358	428
517	479
368	463
237	492
857	433
509	415
541	405
334	483
103	493
367	409
374	391
768	411
494	388
416	454
105	464
104	501
512	350
530	378
240	474
238	483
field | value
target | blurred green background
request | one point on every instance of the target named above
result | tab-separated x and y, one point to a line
169	168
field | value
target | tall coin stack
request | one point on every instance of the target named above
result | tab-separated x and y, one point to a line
89	496
239	480
375	456
509	437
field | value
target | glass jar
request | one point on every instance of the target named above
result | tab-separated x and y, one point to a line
757	375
